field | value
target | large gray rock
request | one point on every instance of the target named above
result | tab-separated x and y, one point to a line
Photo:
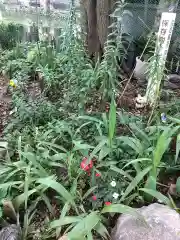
163	224
11	232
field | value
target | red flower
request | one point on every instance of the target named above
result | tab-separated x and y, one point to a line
94	198
108	203
85	165
98	174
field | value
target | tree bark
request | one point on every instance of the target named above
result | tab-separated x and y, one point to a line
84	19
103	20
93	37
95	21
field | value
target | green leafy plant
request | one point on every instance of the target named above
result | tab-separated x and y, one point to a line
10	35
66	152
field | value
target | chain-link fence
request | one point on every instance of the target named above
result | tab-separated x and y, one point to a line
143	20
27	13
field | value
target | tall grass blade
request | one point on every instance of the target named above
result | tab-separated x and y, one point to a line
161	146
134	183
58	188
31	157
10	184
120	208
157	195
102	231
92	119
122	172
112	121
136	129
85	226
64	211
150	184
97	149
20	199
89	236
79	146
177	147
133	143
65	221
137	160
53	145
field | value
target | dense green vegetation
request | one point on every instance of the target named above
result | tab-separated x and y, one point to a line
71	157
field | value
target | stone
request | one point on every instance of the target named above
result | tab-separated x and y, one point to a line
172	81
163	223
11	232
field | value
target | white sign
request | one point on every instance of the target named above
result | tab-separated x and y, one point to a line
165	33
162	46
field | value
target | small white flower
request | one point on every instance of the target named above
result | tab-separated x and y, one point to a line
113	183
115	195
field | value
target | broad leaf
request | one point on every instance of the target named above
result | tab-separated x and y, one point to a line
59	156
177	147
133	143
102	231
157	195
120	208
162	145
10	184
20	199
112	120
137	160
79	146
64	211
104	152
31	157
97	149
85	226
134	183
178	185
136	129
58	188
150	184
65	221
93	119
120	171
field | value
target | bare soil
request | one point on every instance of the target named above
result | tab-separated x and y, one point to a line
5	104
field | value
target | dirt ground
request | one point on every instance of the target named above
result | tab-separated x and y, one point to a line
5	104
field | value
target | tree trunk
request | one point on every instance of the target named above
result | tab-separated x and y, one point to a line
103	20
47	6
93	37
95	21
84	19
